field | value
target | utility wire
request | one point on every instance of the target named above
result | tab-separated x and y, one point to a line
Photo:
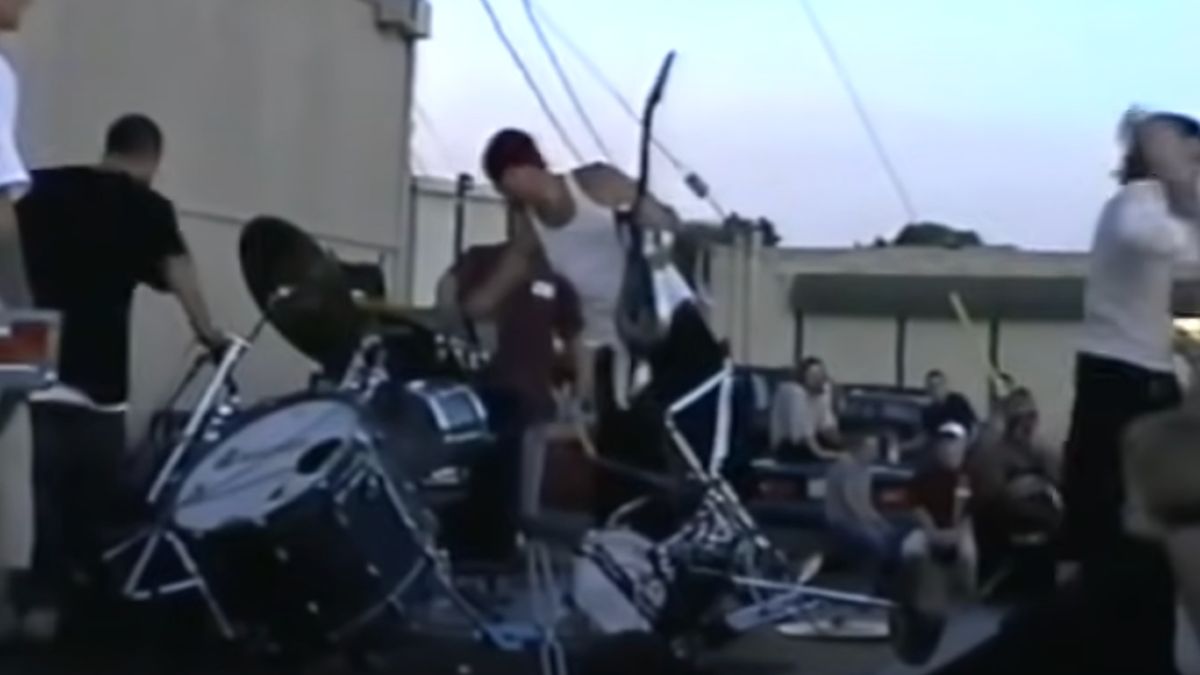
498	28
565	81
419	163
424	121
860	109
690	177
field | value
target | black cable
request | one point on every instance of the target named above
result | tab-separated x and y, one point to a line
565	81
864	117
692	179
498	28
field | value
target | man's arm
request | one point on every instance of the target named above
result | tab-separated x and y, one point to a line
512	271
1164	150
613	188
14	285
180	276
861	501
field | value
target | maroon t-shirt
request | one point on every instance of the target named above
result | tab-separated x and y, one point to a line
935	489
545	306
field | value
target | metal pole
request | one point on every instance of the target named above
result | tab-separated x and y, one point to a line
464	185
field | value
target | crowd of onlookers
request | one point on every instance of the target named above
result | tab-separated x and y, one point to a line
981	487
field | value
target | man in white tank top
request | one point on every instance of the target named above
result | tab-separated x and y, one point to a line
570	217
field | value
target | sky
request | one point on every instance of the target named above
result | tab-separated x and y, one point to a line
999	115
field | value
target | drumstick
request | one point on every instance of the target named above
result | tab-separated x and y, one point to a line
960	310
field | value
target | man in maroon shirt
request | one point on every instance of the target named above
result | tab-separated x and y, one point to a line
942	542
528	324
531	329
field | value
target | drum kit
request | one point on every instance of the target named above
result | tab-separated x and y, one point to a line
303	523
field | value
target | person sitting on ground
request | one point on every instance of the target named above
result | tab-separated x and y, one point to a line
856	526
943	541
933	545
804	426
1014	480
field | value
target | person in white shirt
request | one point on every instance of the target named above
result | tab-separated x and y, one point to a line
1118	614
16	444
803	423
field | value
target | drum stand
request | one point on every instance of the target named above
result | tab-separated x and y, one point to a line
722	541
214	403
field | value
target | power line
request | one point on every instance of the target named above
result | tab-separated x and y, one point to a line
498	28
564	80
690	177
600	77
860	109
426	122
419	163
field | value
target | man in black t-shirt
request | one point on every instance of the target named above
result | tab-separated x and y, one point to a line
91	236
947	406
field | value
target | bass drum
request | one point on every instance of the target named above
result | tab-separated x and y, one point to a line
304	534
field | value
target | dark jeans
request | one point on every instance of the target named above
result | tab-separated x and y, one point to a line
489	521
78	457
1118	616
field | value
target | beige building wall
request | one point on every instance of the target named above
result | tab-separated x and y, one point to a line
856	350
297	108
750	293
953	348
1041	356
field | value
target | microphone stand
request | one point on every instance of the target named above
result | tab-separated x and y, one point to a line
638	324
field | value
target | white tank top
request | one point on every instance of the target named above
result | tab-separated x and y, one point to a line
587	251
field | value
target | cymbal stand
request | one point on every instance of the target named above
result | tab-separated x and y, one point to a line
215	403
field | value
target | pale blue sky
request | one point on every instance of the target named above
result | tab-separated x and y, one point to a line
999	115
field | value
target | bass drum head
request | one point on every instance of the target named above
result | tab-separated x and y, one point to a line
268	461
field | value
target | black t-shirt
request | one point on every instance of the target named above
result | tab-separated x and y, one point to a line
955	408
90	236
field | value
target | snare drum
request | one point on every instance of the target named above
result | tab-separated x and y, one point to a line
304	537
28	349
434	424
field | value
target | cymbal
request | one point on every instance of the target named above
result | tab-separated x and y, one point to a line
301	291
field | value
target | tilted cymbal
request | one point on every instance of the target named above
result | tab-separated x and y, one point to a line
302	291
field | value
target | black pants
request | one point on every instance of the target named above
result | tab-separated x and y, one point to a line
78	456
487	523
1118	616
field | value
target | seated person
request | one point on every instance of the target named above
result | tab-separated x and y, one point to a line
946	405
857	527
1013	478
803	424
935	544
942	547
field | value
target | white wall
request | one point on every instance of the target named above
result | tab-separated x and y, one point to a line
485	218
297	108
